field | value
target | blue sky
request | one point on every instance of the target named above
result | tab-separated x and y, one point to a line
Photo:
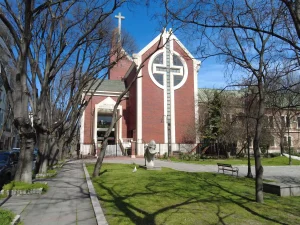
143	27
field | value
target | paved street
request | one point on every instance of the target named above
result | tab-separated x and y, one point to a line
67	201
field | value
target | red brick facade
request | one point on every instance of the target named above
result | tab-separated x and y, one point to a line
146	120
152	108
185	99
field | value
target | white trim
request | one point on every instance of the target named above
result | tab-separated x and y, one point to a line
82	127
152	43
139	92
286	136
108	104
165	113
119	127
106	93
172	88
126	55
173	137
274	138
183	47
109	95
150	68
95	126
196	65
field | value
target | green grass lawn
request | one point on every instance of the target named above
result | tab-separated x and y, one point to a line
275	161
6	217
173	197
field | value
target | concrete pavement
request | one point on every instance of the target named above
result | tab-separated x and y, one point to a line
283	174
66	202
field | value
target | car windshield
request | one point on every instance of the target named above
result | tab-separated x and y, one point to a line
3	158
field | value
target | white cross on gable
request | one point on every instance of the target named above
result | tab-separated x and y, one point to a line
120	18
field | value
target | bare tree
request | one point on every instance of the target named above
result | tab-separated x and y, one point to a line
49	37
244	34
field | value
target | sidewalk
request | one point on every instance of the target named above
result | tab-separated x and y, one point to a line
283	174
67	201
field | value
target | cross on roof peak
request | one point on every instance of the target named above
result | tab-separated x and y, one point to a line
120	18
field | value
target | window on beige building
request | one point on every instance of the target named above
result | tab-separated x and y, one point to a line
271	121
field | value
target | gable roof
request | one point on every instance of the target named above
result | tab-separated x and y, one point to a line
204	94
109	86
164	36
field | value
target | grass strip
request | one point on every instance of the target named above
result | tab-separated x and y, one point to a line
17	185
275	161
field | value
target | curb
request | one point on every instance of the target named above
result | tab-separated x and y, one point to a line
16	220
101	220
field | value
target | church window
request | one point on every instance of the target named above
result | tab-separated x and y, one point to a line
159	59
159	69
167	69
176	60
159	77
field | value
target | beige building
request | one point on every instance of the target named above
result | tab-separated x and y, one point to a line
281	128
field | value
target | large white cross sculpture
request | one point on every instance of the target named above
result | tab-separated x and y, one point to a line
120	18
174	70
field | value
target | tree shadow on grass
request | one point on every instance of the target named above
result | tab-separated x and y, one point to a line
240	204
204	190
103	172
131	211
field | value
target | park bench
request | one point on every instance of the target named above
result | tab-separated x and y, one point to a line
228	167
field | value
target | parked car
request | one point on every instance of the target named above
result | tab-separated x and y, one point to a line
8	166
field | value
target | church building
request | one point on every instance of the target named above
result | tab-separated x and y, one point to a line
161	105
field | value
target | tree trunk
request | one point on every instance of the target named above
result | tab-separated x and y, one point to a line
281	145
98	165
61	151
258	171
24	168
258	166
54	151
43	158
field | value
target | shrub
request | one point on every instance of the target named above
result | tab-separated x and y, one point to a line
165	155
272	155
180	155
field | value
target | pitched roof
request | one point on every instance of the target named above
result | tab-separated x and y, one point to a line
109	86
206	93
